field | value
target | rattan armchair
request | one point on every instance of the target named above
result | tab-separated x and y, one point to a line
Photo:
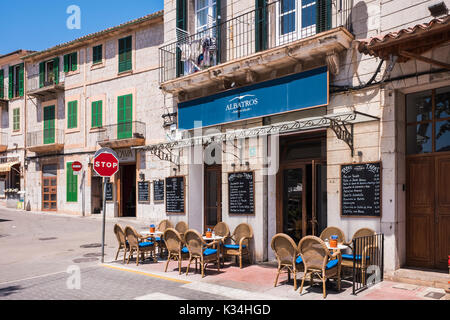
241	236
366	245
318	261
333	231
286	252
181	227
175	247
123	243
139	246
199	250
162	226
221	229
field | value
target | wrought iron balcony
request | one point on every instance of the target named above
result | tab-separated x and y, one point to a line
122	135
278	24
49	87
46	140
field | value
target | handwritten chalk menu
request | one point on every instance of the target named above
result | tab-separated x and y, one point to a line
360	185
158	190
175	195
144	191
109	192
241	193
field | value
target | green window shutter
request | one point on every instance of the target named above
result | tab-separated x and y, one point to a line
97	54
125	60
124	117
21	79
96	120
181	23
323	15
49	125
74	62
72	119
56	69
261	25
2	84
41	74
16	119
11	83
71	184
66	63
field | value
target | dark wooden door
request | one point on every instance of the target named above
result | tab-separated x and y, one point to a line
428	211
213	196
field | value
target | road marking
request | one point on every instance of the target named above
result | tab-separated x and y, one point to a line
146	274
232	293
158	296
31	278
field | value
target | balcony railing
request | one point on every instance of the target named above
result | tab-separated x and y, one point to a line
45	139
277	23
123	134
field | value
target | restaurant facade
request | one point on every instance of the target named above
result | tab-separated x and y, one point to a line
290	116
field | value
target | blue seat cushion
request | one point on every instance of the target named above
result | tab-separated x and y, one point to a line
332	264
145	244
299	260
233	246
158	239
184	250
350	257
209	252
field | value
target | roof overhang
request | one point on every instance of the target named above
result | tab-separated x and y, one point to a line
408	43
6	167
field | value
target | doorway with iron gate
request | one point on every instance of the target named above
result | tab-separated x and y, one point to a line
301	185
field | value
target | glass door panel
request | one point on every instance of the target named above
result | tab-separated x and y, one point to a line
293	202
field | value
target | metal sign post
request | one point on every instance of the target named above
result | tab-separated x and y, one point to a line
105	183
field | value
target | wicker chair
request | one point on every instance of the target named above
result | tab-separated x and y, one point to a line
333	231
181	227
123	243
175	247
241	235
361	253
286	252
199	250
136	244
221	229
163	225
318	261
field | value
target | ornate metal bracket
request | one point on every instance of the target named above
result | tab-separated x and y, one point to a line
343	131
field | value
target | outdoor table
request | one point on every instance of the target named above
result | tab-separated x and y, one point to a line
148	234
340	246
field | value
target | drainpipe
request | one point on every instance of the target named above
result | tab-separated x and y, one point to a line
25	95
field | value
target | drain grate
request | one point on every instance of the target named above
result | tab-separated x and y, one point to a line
47	239
92	245
81	260
434	295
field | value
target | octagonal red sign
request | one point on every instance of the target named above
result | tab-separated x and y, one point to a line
106	164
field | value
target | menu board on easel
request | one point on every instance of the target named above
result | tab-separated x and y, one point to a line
361	189
241	196
175	195
158	190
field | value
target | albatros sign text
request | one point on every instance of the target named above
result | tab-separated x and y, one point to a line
294	92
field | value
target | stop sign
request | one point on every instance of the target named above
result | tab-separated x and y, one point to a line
106	164
77	166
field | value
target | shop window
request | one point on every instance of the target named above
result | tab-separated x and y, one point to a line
428	121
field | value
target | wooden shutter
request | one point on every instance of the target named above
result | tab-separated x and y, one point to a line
21	79
261	25
97	115
2	84
124	116
16	119
66	63
125	60
323	15
72	119
74	62
11	83
97	54
181	23
56	69
71	184
41	74
49	125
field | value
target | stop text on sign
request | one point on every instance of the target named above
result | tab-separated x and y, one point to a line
104	164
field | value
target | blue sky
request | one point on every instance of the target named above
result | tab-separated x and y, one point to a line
41	24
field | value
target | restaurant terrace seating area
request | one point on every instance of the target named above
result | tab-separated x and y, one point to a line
328	260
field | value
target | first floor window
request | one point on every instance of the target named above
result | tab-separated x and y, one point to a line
72	115
71	62
97	114
16	119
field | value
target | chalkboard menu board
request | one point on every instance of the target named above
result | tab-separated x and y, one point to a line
158	190
144	191
361	189
109	192
241	194
175	195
